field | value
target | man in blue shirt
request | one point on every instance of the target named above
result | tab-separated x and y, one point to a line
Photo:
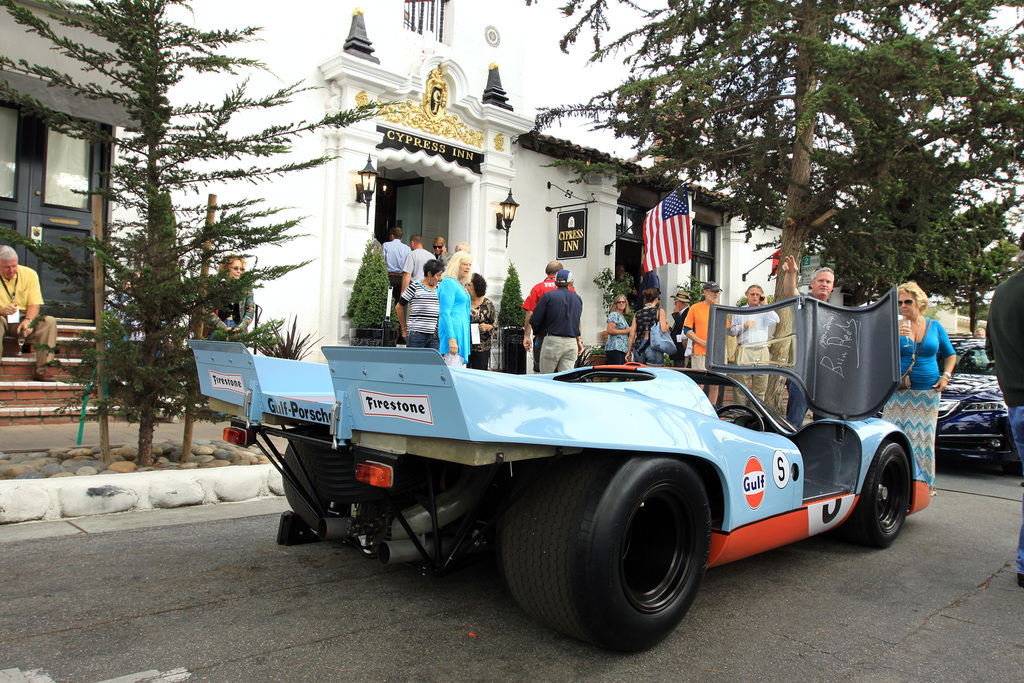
394	260
558	314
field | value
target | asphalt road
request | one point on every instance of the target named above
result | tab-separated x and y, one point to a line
203	599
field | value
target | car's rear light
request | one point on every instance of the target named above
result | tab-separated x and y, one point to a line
375	474
240	436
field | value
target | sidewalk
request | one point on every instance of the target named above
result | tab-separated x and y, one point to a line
22	438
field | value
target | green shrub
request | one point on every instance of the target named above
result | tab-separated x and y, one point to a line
368	303
511	313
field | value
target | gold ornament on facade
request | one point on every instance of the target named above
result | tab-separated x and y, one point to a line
499	142
431	115
362	98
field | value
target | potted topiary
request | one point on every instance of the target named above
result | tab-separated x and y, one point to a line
367	307
511	321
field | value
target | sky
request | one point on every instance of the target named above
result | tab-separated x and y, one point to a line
585	79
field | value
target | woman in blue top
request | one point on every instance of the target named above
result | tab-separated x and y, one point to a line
453	322
617	332
916	409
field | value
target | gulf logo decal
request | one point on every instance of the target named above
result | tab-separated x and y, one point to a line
753	482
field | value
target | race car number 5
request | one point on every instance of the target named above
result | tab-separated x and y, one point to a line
780	469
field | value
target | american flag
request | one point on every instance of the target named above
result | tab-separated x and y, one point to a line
667	231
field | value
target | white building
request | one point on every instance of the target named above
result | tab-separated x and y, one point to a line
448	151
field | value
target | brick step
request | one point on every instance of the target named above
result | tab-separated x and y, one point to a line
24	394
20	368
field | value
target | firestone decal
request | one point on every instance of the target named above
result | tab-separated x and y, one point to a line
416	408
753	483
234	383
825	515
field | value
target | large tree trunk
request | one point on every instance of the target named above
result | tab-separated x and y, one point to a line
796	222
147	426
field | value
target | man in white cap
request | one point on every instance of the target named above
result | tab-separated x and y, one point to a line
558	313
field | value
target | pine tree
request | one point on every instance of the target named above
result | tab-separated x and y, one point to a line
368	302
154	250
810	116
511	313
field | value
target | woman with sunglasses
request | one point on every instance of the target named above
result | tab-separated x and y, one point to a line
916	409
617	332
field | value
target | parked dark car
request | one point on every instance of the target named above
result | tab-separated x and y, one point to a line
972	414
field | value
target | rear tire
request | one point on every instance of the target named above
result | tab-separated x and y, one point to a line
609	550
295	453
884	500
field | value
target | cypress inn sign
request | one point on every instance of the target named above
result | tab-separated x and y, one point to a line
396	139
572	234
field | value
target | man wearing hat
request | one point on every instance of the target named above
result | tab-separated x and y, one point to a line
696	327
558	313
680	308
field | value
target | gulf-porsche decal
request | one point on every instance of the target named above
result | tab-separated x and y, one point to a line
778	530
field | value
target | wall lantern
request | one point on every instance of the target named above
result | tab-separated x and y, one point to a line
366	186
507	215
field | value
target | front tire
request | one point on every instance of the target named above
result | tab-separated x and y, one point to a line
884	500
609	550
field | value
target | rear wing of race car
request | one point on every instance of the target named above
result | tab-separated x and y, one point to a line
389	399
395	386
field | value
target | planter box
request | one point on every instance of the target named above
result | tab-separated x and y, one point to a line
513	355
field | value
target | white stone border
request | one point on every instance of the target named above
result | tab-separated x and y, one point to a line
23	500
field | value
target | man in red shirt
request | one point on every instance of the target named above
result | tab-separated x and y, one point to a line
539	290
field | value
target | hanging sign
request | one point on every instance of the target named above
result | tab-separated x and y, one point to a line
396	139
572	234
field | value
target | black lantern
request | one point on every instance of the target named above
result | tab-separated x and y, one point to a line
366	186
507	215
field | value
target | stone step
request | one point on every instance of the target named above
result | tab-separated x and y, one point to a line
39	415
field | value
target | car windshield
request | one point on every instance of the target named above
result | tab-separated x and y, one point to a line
971	359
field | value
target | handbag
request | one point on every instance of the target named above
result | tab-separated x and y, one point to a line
661	341
905	379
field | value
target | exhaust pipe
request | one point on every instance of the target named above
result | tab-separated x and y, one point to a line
400	552
450	505
332	528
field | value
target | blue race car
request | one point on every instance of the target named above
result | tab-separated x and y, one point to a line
605	492
972	414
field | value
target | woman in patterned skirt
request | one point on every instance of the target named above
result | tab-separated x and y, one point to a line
916	409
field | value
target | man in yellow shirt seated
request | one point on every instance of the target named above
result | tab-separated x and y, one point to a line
20	299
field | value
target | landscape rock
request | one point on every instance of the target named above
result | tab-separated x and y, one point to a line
23	503
79	500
